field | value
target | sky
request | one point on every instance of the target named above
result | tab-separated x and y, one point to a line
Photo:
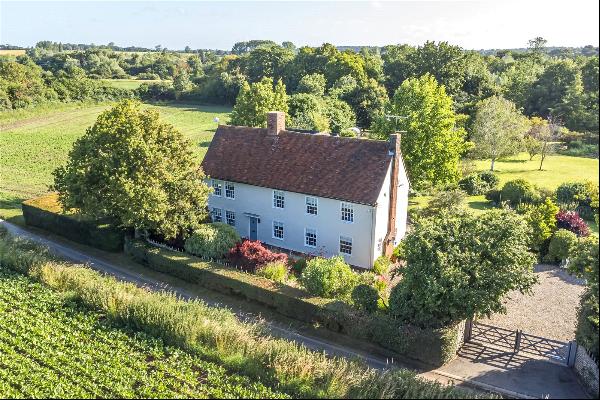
485	24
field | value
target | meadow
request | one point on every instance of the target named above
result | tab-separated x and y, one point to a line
130	84
50	347
33	142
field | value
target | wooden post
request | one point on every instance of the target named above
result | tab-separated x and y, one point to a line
468	330
518	341
572	353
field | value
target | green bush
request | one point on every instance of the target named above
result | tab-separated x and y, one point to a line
562	244
382	265
298	266
494	196
365	297
212	240
276	271
479	182
578	196
329	277
519	191
490	179
452	200
541	218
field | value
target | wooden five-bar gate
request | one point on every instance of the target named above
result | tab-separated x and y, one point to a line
519	342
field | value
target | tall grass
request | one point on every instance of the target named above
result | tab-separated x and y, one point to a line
216	334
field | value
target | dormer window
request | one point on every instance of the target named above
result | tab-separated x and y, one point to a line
278	199
229	190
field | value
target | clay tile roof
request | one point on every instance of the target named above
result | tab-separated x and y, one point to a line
327	166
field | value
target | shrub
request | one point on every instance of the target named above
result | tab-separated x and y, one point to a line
561	246
460	265
519	191
251	254
212	240
472	184
578	196
444	201
382	265
571	221
298	266
276	271
328	277
541	219
494	196
365	297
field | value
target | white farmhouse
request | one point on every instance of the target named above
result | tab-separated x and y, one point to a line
309	193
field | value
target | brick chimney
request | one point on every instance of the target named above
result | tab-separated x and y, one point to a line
394	151
275	122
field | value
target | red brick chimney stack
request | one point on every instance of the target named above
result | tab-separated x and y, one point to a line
275	122
394	150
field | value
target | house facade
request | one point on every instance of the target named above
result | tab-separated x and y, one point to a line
309	193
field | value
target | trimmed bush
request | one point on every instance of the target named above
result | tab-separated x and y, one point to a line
298	266
365	297
561	245
212	240
479	182
46	213
571	221
494	196
329	277
519	191
276	271
490	179
578	196
251	254
541	218
382	265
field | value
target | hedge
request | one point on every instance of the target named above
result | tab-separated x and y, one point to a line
46	213
434	347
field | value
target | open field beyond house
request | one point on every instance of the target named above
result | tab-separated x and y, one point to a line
34	142
128	83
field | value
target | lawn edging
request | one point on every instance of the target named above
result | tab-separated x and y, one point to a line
432	346
45	213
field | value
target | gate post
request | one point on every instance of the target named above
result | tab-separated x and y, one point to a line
572	353
468	330
518	341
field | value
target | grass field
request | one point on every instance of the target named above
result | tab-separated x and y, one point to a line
556	169
52	348
12	53
128	83
33	143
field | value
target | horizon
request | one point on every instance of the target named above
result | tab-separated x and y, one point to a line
473	25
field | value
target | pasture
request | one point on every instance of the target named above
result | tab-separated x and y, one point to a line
130	84
50	347
12	53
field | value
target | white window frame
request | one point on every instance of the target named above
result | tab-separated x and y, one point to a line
214	213
230	184
306	231
227	218
346	239
282	225
275	199
315	205
217	184
347	206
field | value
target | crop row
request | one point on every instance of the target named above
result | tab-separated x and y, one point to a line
50	347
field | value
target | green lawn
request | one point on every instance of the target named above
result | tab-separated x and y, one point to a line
556	169
34	142
128	83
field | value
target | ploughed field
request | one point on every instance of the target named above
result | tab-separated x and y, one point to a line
52	348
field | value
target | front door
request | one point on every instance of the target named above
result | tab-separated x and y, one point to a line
253	233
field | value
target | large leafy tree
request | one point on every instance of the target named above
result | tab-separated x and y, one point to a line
460	266
135	171
498	129
255	100
433	140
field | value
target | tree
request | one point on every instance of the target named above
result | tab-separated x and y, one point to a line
181	81
135	171
547	136
307	111
537	45
532	143
312	84
460	266
433	140
498	129
255	100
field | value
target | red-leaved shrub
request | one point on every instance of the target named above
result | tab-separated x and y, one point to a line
571	221
251	254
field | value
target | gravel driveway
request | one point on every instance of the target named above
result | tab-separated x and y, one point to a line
551	311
